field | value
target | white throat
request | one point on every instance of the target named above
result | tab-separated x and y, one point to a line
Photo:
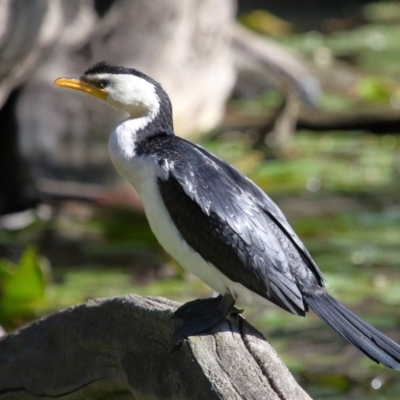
124	137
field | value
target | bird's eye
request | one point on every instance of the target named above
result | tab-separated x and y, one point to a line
103	83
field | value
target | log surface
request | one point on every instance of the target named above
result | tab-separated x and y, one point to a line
119	348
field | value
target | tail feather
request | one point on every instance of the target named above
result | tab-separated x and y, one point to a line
365	337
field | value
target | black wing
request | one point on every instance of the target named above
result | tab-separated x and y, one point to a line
222	221
270	208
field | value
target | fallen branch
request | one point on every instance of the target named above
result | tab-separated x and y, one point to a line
375	121
119	348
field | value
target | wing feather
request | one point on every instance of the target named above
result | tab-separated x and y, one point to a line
271	209
223	221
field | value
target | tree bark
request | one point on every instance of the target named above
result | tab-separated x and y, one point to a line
120	348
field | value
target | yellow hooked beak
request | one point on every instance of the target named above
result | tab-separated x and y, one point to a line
77	84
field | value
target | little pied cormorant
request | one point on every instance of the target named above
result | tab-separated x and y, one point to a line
213	220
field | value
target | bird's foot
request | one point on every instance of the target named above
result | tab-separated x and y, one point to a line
199	306
202	315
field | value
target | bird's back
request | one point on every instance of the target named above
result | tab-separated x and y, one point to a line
225	218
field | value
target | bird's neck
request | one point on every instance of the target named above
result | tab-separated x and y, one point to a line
128	138
131	132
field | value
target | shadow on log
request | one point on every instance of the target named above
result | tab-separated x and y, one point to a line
119	348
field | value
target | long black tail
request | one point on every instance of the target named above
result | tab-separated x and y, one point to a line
365	337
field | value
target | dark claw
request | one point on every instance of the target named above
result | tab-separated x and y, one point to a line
202	315
199	306
196	325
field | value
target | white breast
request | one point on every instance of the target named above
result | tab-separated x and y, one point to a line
142	172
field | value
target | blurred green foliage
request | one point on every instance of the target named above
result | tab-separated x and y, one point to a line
382	11
264	22
374	90
22	287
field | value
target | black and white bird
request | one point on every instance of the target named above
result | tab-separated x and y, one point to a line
212	219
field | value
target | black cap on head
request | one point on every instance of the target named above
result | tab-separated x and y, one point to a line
103	67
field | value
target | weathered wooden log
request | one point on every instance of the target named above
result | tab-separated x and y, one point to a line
120	348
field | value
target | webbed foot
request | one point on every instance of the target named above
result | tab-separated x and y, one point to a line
202	315
199	306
